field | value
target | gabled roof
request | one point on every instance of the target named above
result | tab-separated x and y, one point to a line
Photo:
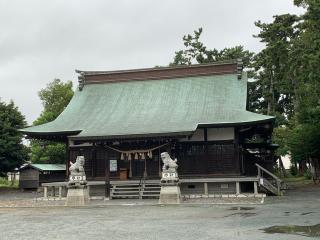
45	167
161	105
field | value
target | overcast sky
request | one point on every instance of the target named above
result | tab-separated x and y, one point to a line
42	40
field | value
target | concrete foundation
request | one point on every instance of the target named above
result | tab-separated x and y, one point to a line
77	196
170	194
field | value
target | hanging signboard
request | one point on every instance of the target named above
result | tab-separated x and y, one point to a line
113	165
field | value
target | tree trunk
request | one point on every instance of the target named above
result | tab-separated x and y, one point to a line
295	99
282	167
296	167
270	108
302	167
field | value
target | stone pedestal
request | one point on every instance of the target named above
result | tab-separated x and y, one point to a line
170	194
77	196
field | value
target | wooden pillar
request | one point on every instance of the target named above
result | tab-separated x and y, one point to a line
206	160
130	168
107	179
93	160
159	163
236	153
159	153
145	174
67	158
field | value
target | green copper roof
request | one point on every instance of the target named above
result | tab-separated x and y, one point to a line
46	167
167	106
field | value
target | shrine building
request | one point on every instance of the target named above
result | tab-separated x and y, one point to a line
121	121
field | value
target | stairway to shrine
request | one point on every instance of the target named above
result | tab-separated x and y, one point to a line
137	190
270	183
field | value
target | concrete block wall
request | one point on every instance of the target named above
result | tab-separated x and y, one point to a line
213	188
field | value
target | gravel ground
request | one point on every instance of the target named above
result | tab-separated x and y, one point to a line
145	220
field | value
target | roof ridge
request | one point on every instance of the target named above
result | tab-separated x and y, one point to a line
218	68
158	68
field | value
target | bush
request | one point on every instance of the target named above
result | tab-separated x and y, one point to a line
308	174
277	171
5	183
293	170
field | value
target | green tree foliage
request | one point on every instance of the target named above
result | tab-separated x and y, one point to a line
288	69
306	57
55	97
304	141
12	152
196	52
271	65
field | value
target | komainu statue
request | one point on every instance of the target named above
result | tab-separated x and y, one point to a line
169	169
170	189
77	173
169	164
78	192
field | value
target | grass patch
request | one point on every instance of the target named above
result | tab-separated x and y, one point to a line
4	183
298	181
295	179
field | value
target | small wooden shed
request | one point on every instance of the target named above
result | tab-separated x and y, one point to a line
33	175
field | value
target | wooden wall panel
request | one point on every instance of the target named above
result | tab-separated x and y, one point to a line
206	159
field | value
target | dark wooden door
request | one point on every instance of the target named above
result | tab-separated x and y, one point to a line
222	159
153	167
137	168
192	159
100	163
207	159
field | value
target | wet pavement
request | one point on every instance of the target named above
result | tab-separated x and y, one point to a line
308	231
294	216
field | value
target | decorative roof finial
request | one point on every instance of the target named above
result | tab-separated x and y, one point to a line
81	79
239	68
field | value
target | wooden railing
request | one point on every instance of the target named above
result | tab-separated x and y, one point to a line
275	188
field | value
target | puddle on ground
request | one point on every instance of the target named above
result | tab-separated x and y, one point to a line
307	231
242	211
306	213
241	208
243	214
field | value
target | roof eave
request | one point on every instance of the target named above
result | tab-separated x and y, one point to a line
269	120
134	136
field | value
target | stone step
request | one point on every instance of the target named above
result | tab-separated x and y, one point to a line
145	190
125	196
127	188
124	192
121	186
